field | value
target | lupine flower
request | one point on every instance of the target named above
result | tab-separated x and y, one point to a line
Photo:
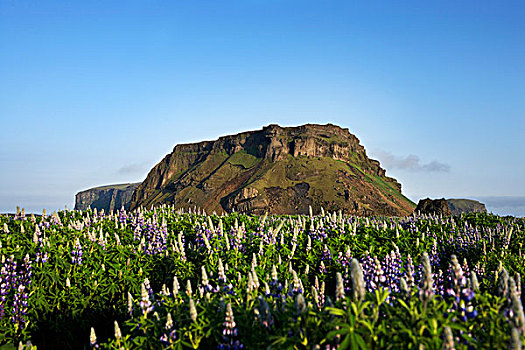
410	272
515	341
193	310
230	332
300	304
188	288
503	283
426	292
263	314
169	321
297	289
339	286
130	304
474	284
516	314
448	341
358	283
145	302
118	333
175	286
222	276
167	339
93	339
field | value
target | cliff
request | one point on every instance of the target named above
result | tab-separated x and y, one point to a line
281	170
109	198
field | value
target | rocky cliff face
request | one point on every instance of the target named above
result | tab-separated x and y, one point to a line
282	170
433	206
109	198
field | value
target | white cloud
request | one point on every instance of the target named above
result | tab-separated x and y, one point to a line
410	162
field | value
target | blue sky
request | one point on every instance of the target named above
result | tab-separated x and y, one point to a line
97	92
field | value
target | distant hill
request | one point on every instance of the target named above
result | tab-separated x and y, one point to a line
461	205
451	206
280	170
111	197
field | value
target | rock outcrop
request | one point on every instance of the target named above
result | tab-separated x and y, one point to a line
460	205
280	170
433	206
111	197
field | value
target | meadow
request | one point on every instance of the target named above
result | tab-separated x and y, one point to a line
171	279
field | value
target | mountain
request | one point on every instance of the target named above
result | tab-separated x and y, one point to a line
111	197
280	170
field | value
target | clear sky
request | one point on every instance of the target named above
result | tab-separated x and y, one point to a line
97	92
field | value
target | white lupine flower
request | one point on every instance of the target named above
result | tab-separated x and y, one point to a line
254	261
250	284
315	296
130	303
144	292
339	286
169	322
358	283
255	278
193	310
261	248
205	281
448	342
292	252
296	284
92	337
118	333
307	269
175	285
300	303
68	283
220	270
188	288
164	290
309	245
274	273
515	341
156	315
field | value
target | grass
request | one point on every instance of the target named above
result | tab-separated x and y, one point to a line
243	159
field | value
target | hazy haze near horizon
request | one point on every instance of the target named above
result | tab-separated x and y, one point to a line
95	93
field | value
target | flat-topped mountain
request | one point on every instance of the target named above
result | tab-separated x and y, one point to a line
111	197
280	170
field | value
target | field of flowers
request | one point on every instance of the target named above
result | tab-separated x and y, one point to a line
164	278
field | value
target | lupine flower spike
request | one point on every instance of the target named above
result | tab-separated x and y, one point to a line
358	282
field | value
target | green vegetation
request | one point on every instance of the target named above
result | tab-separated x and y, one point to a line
164	278
243	159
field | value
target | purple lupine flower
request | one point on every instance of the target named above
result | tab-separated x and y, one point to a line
170	334
76	253
230	332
